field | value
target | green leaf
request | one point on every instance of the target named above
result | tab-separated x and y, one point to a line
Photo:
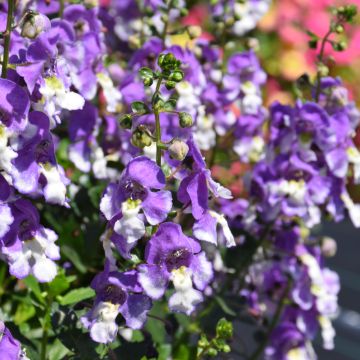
74	257
59	285
170	105
23	313
77	295
34	286
95	194
139	107
224	306
164	351
57	351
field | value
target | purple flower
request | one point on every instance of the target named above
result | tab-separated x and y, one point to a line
35	169
81	127
29	248
139	188
10	348
115	293
14	105
195	185
172	256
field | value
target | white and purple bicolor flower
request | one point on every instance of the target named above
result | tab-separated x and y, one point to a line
10	348
172	256
28	247
115	293
140	188
35	170
194	190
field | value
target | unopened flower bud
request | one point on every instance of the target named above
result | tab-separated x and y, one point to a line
176	76
141	137
185	119
34	24
170	85
339	29
212	352
224	329
178	150
126	121
194	31
328	246
148	81
323	70
340	46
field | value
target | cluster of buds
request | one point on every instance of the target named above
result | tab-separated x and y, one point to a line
169	74
224	333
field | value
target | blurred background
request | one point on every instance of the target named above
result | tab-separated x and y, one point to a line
286	56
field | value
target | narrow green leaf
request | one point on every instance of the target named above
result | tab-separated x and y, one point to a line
77	295
34	286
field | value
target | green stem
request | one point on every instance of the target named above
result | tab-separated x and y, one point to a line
45	335
158	138
166	23
321	57
157	126
62	8
7	37
273	323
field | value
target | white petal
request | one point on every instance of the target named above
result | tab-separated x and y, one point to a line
131	228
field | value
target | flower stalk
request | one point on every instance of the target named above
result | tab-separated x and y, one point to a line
7	38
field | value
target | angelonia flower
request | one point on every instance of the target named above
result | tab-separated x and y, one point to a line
239	15
147	118
54	66
10	348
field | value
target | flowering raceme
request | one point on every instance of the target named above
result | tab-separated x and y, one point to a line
118	121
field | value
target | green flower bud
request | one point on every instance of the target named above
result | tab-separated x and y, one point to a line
148	81
126	121
141	137
203	341
178	150
339	46
224	329
185	119
157	102
161	59
170	85
323	70
212	352
226	348
176	76
339	29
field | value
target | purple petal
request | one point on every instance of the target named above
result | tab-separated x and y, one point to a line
135	309
157	206
146	172
154	280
